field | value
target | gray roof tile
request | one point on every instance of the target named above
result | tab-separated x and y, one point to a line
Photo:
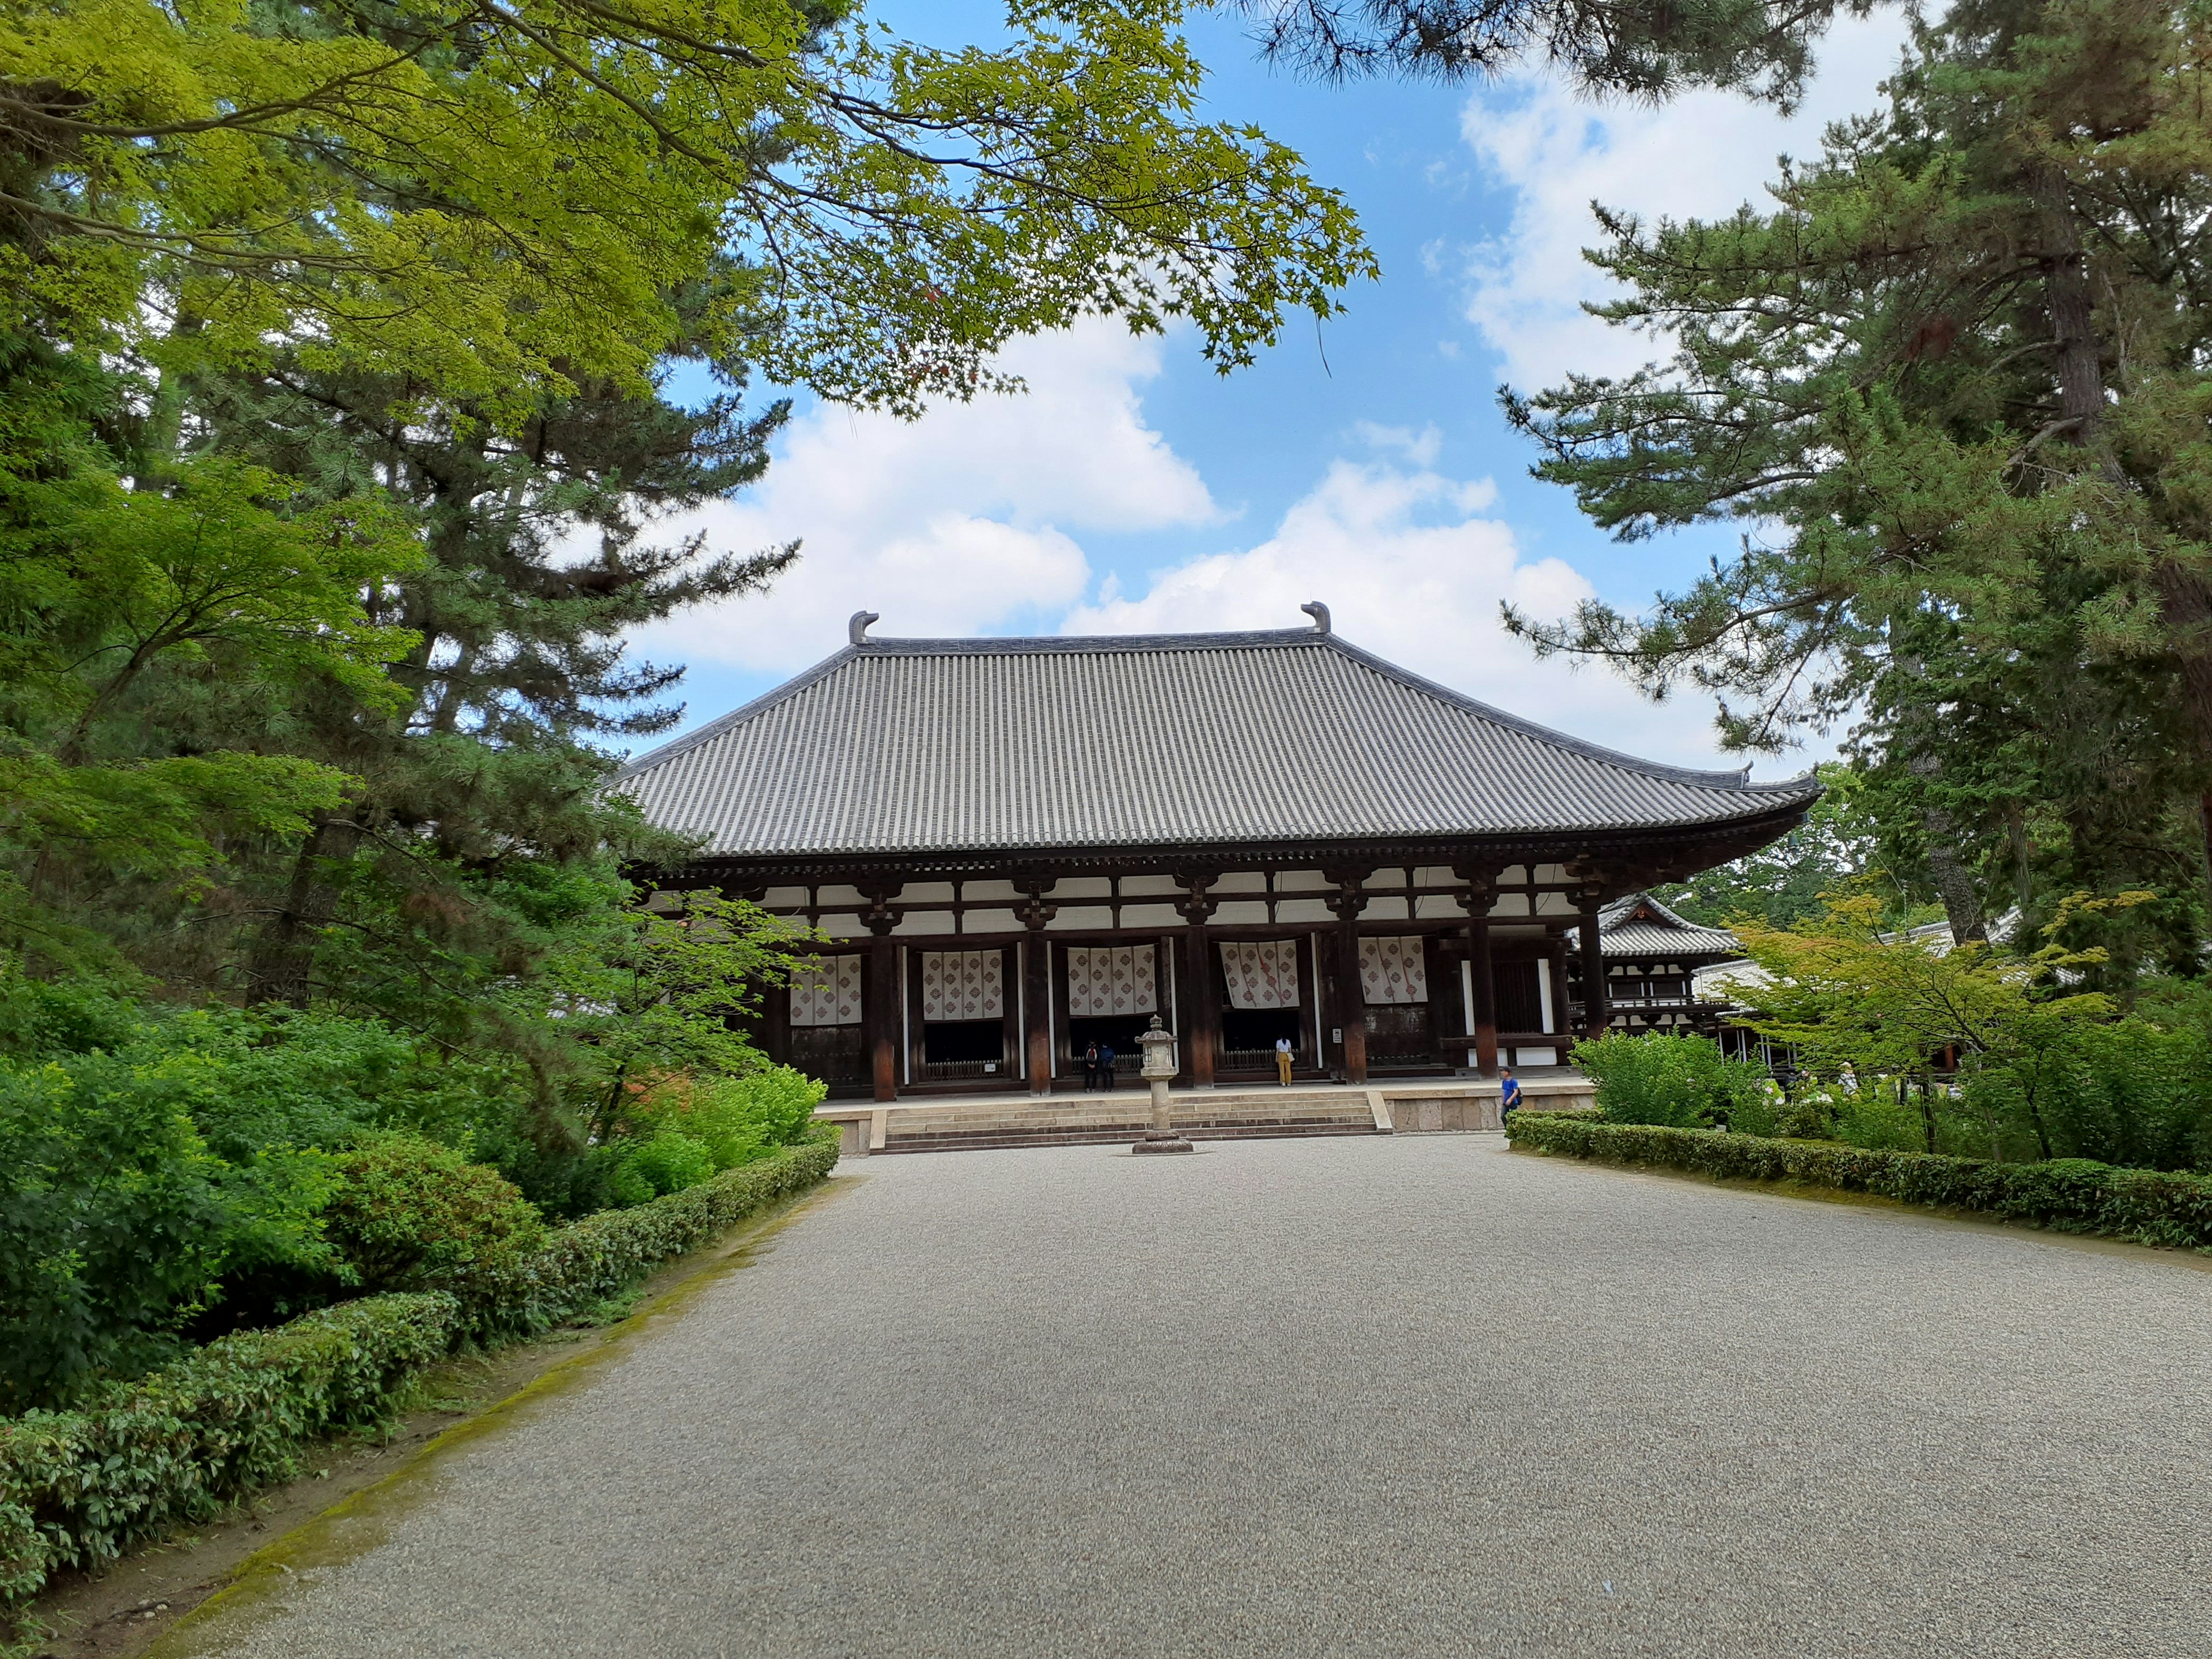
905	746
1666	934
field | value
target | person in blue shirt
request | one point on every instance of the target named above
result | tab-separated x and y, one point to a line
1509	1093
1106	1065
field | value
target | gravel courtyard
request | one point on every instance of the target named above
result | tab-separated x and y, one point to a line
1392	1396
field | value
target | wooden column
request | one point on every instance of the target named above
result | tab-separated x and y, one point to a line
1037	985
1036	1004
776	1024
1351	1009
1200	1036
883	1009
1485	983
1482	975
1597	1006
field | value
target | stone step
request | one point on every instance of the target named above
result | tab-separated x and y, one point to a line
1008	1135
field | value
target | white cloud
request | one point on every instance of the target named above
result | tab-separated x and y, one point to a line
1411	571
1701	155
951	525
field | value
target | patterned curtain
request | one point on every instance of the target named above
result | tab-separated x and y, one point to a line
962	985
1112	979
1393	970
1262	973
826	992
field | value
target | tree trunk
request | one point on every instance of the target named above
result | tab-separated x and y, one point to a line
1953	882
282	966
2184	599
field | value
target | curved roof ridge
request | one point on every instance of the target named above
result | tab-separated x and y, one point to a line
1133	740
1735	778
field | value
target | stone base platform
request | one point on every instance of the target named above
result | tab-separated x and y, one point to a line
1402	1106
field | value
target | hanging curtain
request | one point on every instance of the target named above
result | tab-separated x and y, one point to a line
1262	973
826	991
962	985
1393	970
1110	979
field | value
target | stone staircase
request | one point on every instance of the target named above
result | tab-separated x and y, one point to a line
1124	1116
1405	1107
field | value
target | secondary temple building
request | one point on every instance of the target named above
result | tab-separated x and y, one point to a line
1017	847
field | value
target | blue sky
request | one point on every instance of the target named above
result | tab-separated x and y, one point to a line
1133	488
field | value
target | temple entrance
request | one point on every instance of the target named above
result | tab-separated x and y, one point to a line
1119	1029
963	1014
827	1039
1265	998
1248	1037
952	1049
1393	983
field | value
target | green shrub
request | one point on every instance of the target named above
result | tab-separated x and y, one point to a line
2077	1195
1685	1081
409	1214
117	1222
591	1260
79	1487
668	1163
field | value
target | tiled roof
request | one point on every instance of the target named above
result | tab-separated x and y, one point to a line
1665	934
901	746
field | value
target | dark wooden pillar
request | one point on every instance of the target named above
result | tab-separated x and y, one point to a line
1036	984
883	1010
776	1024
1597	1005
1352	1001
1201	1010
1037	1006
1482	975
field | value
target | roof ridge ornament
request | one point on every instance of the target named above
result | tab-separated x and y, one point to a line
1319	613
856	629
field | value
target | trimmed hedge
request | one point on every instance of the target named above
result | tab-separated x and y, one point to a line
592	1259
2075	1194
77	1488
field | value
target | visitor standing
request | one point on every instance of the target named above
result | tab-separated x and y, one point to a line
1282	1061
1106	1066
1089	1068
1508	1095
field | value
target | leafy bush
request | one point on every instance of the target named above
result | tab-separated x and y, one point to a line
117	1222
668	1163
2149	1206
409	1214
1685	1081
78	1488
591	1260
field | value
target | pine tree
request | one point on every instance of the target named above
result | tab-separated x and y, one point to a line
1956	381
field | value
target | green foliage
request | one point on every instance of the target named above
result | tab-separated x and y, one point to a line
667	1161
1685	1081
117	1222
2146	1207
78	1488
408	1214
736	1119
1956	377
377	188
589	1260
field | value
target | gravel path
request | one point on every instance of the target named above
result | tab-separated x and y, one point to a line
1394	1397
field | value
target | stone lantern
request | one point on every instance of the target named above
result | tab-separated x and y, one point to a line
1159	1066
